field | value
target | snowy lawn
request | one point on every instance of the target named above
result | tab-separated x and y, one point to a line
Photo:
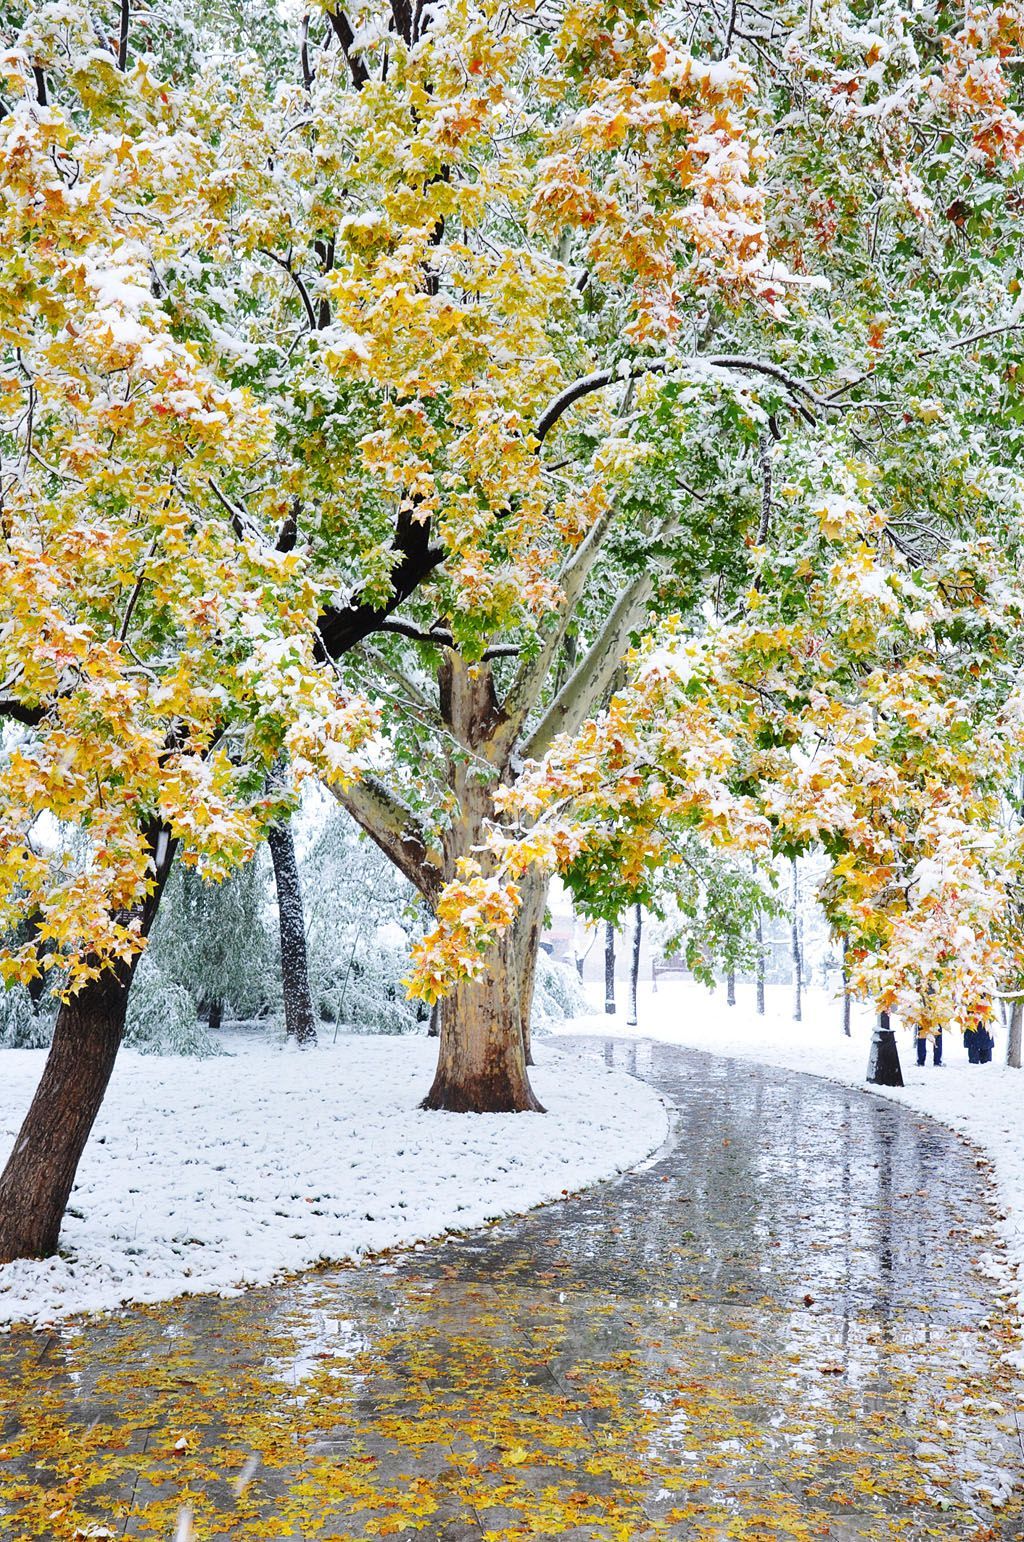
209	1175
983	1102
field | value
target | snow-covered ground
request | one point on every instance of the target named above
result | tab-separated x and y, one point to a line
210	1175
983	1102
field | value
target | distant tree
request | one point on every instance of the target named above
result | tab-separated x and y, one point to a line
634	968
211	940
299	1012
795	942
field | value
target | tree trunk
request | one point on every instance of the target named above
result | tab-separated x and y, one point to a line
526	935
730	988
609	968
1013	1042
760	965
481	1064
797	960
216	1014
634	971
299	1016
40	1171
846	993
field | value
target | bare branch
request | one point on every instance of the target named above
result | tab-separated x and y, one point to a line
122	34
393	826
529	681
439	638
594	675
20	713
636	369
342	29
286	265
765	457
134	596
308	73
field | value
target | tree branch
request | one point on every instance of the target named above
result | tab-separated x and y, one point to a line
296	278
594	675
308	73
341	628
393	826
441	639
529	682
600	378
342	30
122	34
401	10
20	713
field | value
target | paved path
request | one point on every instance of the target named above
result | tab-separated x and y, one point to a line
778	1330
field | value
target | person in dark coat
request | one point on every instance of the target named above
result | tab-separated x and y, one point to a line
979	1043
922	1047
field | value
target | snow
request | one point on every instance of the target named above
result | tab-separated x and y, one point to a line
212	1175
982	1102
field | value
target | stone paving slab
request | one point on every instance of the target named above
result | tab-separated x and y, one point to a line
779	1329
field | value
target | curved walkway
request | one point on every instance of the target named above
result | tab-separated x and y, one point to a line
780	1329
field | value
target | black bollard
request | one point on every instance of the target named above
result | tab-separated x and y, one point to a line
884	1060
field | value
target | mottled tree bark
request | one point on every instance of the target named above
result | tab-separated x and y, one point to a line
299	1014
609	968
481	1063
634	971
40	1172
526	935
760	965
1013	1042
730	988
798	962
846	992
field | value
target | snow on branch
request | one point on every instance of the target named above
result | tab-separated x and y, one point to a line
637	368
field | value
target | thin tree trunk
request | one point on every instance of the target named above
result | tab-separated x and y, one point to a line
40	1172
299	1016
634	972
609	968
526	935
760	965
1013	1042
216	1013
730	988
846	992
797	960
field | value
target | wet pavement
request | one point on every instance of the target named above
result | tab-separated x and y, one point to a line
782	1328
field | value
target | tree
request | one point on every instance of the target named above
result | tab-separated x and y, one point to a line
1015	1035
795	948
496	339
155	651
609	967
872	615
210	939
299	1012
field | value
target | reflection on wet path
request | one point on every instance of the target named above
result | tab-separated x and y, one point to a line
777	1330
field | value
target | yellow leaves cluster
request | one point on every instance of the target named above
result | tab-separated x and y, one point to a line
472	911
975	86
